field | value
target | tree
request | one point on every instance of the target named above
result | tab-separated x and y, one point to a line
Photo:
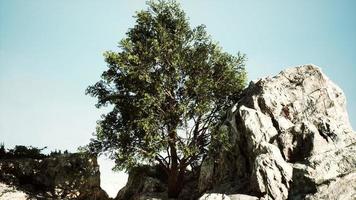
167	86
20	151
2	150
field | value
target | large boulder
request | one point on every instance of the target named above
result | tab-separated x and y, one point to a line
144	182
291	139
150	183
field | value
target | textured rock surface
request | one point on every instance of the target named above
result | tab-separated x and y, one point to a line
151	183
143	183
340	188
216	196
291	139
9	192
72	176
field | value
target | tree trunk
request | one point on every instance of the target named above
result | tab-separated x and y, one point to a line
175	183
176	174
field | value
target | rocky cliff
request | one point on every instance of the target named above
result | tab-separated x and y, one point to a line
69	176
290	139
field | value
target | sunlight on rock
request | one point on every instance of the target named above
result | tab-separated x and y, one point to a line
110	181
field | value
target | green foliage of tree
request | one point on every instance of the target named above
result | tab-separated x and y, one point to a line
58	152
167	86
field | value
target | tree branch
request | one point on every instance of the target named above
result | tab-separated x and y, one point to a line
165	168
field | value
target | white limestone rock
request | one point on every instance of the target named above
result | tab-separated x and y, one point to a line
242	197
217	196
291	138
214	196
9	192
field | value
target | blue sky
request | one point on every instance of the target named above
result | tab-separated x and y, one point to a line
50	51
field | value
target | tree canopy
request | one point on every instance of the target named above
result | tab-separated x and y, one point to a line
167	85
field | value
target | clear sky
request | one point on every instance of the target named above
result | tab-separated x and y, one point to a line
50	51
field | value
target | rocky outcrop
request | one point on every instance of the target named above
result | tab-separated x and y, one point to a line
143	183
151	183
291	139
69	176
